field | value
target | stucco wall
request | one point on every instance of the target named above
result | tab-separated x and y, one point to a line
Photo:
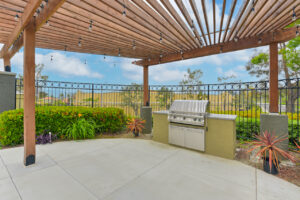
7	91
220	139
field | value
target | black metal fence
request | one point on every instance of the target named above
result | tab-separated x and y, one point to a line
247	100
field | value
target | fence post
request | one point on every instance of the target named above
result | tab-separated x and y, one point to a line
92	95
208	92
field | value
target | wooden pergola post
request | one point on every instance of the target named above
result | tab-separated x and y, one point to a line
7	66
146	86
273	78
29	94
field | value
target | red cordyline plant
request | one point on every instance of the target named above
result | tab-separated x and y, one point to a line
297	145
268	148
135	125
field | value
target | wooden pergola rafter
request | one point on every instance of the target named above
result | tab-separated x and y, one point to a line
152	31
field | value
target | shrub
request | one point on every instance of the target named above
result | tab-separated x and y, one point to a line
81	129
246	128
57	119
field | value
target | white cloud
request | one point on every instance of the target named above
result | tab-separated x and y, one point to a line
161	73
62	64
231	73
241	68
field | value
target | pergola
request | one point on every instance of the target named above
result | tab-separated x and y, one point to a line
152	31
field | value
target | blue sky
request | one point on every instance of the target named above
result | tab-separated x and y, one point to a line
67	66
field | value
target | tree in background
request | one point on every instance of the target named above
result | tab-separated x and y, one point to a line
132	97
38	76
189	82
289	67
164	97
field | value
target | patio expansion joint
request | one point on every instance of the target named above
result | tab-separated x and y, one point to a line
10	176
72	177
142	173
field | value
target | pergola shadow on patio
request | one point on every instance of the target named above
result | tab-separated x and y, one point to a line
133	169
153	31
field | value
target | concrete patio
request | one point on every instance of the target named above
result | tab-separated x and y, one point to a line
132	169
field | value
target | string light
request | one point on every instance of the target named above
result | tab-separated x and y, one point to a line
104	57
193	26
17	17
65	48
253	9
160	55
42	5
47	23
236	39
37	12
79	42
149	59
133	45
160	39
294	17
259	41
297	31
221	49
181	53
85	62
119	54
51	58
91	25
124	11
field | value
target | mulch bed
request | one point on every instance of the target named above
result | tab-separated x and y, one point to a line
288	173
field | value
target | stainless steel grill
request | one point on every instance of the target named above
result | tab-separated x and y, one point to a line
188	123
191	112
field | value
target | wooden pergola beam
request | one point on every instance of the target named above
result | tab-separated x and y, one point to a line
26	17
246	43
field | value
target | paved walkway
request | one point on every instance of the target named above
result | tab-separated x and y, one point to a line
133	169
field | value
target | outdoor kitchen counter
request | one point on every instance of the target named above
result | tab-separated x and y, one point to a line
220	138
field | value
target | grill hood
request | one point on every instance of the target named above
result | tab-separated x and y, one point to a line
188	112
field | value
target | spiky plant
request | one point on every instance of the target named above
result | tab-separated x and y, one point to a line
135	125
267	143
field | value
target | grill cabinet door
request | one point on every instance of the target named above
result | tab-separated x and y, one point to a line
194	139
176	135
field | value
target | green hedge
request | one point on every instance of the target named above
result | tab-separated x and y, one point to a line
247	127
57	119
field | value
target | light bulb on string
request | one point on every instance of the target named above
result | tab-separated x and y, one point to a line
160	39
119	54
221	49
124	11
91	25
259	41
297	31
79	42
133	45
236	39
253	9
193	26
294	17
47	23
17	17
85	62
51	58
